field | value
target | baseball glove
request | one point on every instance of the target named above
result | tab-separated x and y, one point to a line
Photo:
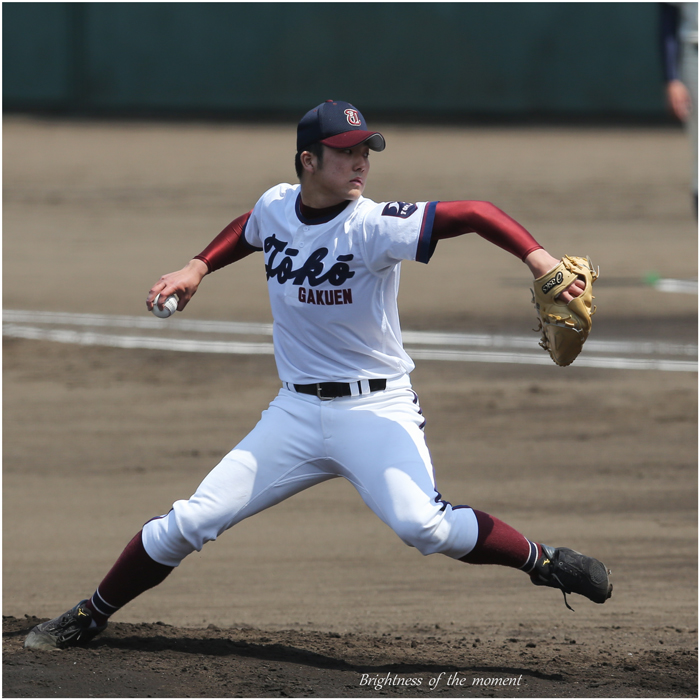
564	327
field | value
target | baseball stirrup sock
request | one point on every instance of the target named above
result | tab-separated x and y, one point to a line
535	551
132	574
499	543
101	609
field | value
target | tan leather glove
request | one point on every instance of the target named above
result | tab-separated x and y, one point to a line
565	327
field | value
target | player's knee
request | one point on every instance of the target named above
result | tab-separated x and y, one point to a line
425	538
193	522
164	541
199	522
185	529
450	532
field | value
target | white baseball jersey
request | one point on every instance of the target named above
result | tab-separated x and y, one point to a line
333	284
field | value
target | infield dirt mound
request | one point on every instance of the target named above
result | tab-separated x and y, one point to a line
158	660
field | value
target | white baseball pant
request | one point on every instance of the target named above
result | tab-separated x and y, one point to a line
375	441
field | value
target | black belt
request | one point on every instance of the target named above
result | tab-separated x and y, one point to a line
334	390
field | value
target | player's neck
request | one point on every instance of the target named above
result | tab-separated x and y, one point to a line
312	213
319	200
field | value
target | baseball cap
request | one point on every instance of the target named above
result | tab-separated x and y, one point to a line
338	125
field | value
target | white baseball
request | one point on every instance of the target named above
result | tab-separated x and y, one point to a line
169	306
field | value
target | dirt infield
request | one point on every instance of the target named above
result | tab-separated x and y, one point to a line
316	597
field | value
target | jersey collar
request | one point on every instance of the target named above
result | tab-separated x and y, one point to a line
313	217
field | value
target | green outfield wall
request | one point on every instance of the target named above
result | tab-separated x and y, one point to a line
424	60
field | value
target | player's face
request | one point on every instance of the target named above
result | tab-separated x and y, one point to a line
342	176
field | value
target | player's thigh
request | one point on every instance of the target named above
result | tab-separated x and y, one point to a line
277	459
389	464
382	449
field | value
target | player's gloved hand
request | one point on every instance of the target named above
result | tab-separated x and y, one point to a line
183	282
541	262
564	303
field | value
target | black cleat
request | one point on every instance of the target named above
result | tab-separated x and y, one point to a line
68	630
572	572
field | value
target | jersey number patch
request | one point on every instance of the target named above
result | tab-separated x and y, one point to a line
400	209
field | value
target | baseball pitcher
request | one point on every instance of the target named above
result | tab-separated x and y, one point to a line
346	407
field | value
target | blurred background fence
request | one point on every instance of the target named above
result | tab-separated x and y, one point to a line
426	61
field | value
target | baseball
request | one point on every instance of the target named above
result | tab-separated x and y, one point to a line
169	306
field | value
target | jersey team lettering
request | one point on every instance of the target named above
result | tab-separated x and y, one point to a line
311	271
325	297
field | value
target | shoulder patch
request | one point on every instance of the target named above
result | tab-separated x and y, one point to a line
400	209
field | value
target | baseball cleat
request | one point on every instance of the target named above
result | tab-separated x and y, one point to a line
68	630
572	572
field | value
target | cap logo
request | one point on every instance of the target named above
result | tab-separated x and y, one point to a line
353	117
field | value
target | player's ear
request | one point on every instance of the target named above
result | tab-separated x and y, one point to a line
309	161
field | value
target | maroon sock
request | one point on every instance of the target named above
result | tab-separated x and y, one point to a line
499	543
132	574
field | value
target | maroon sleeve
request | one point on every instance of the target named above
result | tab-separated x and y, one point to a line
229	246
455	218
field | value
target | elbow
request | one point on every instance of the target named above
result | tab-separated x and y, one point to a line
482	212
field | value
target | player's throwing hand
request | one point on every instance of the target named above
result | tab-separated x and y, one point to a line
184	283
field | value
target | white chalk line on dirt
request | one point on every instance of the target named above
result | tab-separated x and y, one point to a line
493	348
676	286
148	322
136	341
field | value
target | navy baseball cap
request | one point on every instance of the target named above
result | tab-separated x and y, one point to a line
338	125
